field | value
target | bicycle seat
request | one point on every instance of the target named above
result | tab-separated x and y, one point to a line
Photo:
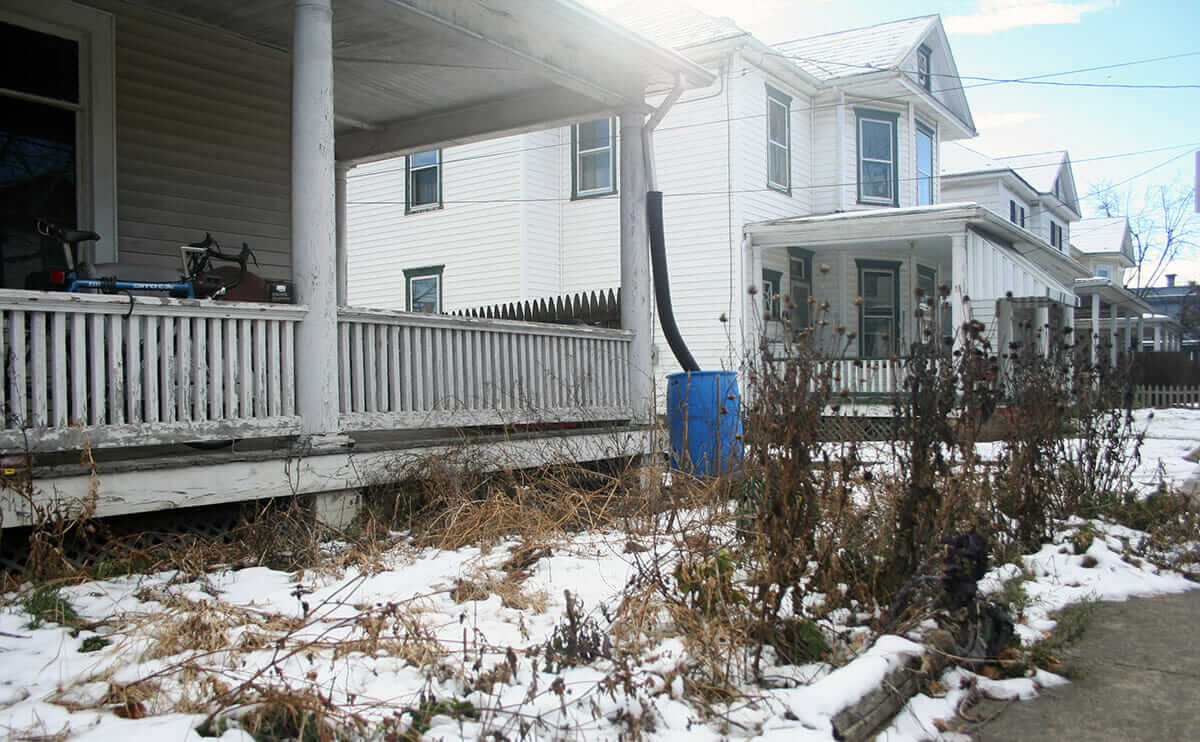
75	236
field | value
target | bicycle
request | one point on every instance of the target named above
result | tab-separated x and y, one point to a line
198	280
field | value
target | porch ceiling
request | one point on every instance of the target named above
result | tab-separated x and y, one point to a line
414	74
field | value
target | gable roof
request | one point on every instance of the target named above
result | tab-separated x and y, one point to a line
1038	170
674	24
857	51
1100	235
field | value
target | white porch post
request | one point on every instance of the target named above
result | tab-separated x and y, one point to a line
341	171
1004	336
1068	325
1095	339
1141	332
958	284
1129	326
1158	338
1112	337
636	296
1041	322
314	260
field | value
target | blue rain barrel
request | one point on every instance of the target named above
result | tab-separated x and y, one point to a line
704	421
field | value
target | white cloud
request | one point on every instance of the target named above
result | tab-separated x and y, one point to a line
986	122
1001	15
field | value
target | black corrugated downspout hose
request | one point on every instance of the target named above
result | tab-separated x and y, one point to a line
662	286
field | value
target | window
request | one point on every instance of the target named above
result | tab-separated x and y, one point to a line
423	289
1056	235
924	165
1104	270
57	127
877	178
800	283
924	75
779	153
593	159
1022	210
771	281
879	287
1012	212
424	178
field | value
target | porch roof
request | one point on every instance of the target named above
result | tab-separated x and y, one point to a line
916	222
1113	294
417	74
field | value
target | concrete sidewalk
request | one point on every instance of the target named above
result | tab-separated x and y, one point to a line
1138	668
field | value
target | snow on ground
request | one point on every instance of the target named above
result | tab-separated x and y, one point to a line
419	626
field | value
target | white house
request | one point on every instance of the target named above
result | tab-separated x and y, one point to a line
154	121
810	168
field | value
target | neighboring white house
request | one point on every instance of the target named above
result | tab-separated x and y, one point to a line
809	168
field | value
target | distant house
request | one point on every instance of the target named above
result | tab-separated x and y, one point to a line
1179	304
809	169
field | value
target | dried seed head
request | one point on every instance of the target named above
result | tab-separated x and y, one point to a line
752	290
825	268
858	300
723	318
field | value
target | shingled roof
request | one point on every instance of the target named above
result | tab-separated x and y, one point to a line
674	23
859	50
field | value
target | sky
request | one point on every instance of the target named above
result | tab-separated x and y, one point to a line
1022	38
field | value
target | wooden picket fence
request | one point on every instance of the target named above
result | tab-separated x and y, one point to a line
1167	396
600	309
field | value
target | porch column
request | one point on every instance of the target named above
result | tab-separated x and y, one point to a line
1068	325
1112	337
636	296
341	170
1158	339
958	285
1041	323
1129	327
314	253
1004	335
1141	332
1095	339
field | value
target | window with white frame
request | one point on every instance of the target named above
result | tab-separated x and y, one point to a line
1104	270
924	67
878	181
1056	235
879	288
779	152
423	289
56	131
800	280
772	281
424	180
593	159
924	165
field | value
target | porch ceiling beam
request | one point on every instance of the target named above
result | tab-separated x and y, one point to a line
539	109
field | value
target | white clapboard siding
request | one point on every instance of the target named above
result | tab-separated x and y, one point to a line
104	371
199	113
403	370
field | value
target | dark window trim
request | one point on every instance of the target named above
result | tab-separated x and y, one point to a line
1022	216
862	264
777	95
408	204
925	79
612	161
869	114
931	132
772	305
423	272
1012	211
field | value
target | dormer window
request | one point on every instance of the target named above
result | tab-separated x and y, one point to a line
924	75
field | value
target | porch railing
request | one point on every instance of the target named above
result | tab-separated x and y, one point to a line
402	370
867	377
1166	396
114	371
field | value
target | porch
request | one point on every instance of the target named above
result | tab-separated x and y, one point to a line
241	118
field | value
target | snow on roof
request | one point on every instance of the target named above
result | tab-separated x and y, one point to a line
1038	169
1101	235
858	50
673	23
